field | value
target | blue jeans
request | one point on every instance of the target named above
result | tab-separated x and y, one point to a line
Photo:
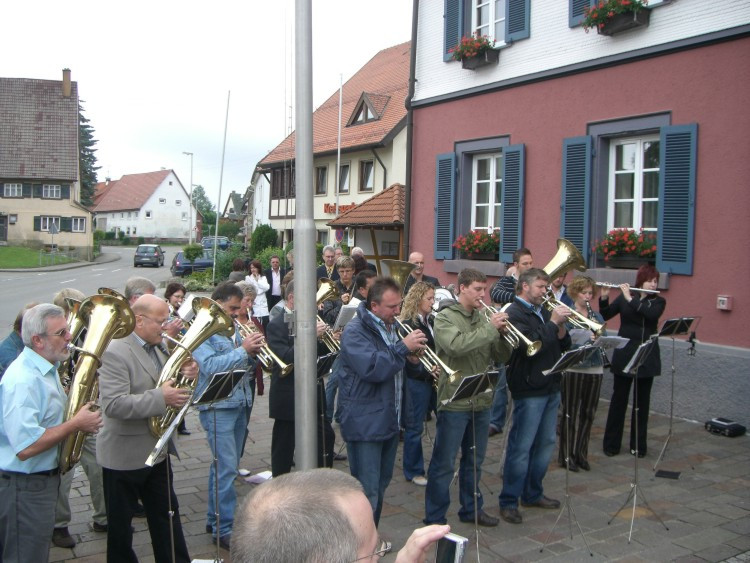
371	463
332	385
417	401
456	429
500	400
231	430
530	446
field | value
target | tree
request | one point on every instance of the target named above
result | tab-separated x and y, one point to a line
86	158
229	229
206	208
263	237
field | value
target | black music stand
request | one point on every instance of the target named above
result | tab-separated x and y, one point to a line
324	365
567	362
470	387
635	362
672	328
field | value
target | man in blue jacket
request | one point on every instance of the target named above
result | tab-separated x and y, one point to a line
372	358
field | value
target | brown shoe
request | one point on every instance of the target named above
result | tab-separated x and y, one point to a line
511	515
543	502
483	519
62	538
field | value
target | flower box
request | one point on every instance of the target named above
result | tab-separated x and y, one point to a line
489	57
481	256
626	262
625	21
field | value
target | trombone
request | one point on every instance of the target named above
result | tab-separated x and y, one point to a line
266	357
513	336
428	358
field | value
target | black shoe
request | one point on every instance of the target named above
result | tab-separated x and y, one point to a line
97	527
511	515
583	464
225	542
495	431
543	502
209	529
640	454
573	467
610	453
428	417
139	511
62	538
183	431
483	519
339	457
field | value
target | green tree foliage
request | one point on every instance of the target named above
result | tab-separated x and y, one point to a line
264	256
263	237
229	229
86	158
204	205
192	251
224	261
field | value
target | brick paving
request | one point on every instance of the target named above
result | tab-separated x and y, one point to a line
707	509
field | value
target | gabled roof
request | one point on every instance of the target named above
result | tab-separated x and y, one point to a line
38	130
385	81
234	202
129	192
384	209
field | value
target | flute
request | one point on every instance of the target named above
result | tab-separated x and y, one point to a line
616	286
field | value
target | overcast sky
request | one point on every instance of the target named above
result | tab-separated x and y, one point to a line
154	76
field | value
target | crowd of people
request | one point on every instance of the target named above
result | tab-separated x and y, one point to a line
399	360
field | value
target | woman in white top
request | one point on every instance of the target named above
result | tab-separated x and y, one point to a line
260	284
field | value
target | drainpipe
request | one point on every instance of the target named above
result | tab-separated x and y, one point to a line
410	129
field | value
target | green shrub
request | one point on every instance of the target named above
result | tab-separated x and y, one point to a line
99	234
192	251
141	240
264	256
199	281
229	229
124	240
110	235
224	261
263	237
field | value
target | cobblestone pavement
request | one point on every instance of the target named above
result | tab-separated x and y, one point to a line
707	508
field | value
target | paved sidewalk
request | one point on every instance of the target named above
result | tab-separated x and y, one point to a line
103	258
707	509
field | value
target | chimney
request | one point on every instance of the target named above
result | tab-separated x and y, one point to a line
66	86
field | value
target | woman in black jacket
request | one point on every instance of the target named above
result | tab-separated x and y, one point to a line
639	318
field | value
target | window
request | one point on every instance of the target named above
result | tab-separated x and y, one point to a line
178	202
486	191
122	215
148	215
184	216
135	215
488	18
12	190
127	231
170	182
51	191
47	221
634	184
79	225
321	180
366	175
364	114
344	179
133	231
163	200
282	183
323	237
129	214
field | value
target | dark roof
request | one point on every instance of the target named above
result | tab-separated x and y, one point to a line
38	130
382	210
129	192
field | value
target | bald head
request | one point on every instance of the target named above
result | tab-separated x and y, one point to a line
151	313
417	258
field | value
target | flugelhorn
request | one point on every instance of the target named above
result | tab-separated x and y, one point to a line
576	319
106	317
266	357
427	357
512	335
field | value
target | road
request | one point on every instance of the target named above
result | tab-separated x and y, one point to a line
19	288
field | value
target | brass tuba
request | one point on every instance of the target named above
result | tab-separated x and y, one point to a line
327	292
105	317
75	327
398	270
209	319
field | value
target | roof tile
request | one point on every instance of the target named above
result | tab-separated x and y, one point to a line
384	209
129	192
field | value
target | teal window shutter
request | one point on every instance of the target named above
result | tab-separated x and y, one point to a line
66	224
517	20
576	192
37	190
453	26
37	223
511	236
26	190
65	191
576	11
678	153
445	196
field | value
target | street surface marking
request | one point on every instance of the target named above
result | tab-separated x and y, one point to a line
97	269
67	281
117	270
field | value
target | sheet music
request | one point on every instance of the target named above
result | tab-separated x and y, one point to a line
346	313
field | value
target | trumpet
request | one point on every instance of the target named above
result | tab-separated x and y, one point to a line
616	286
329	339
513	336
266	357
428	358
576	319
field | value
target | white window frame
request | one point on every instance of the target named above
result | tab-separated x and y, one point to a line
149	215
178	202
12	190
638	172
489	26
495	176
346	180
51	191
366	186
163	200
324	171
184	216
78	224
44	222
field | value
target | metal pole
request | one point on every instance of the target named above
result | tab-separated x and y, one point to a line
338	146
190	220
221	179
305	345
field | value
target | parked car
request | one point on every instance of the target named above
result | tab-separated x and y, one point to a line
221	242
150	254
183	267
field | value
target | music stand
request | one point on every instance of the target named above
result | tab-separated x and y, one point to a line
566	362
324	365
470	387
635	362
671	328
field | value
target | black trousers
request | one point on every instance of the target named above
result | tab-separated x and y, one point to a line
282	445
121	492
618	408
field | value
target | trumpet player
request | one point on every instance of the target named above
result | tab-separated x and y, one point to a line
226	437
536	397
130	369
281	396
470	342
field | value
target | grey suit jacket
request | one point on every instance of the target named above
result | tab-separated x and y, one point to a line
129	397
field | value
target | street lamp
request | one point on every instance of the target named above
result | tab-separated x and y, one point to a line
190	220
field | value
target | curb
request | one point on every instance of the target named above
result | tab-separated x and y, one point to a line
101	259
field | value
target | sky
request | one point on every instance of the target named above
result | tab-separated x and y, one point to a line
154	77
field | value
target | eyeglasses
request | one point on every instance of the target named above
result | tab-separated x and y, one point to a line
385	547
160	323
61	332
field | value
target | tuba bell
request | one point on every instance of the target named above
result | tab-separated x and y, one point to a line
209	319
105	317
398	270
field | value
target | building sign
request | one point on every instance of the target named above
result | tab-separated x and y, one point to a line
331	207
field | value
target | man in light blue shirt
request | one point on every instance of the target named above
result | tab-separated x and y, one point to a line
32	402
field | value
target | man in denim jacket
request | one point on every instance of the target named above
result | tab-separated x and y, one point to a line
226	422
